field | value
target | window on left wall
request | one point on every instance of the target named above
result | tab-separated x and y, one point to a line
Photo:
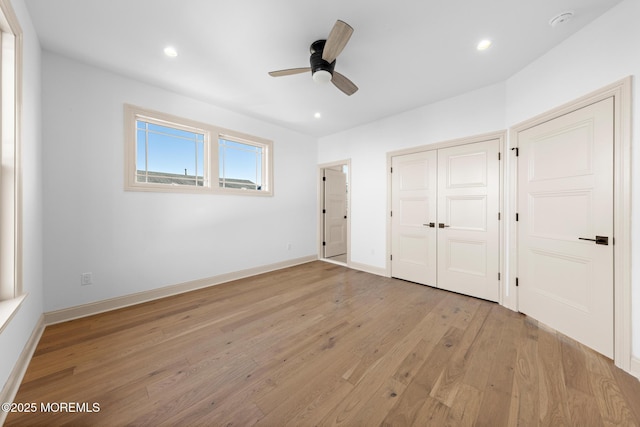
174	154
164	151
11	294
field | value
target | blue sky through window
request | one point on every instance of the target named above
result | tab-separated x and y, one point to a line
168	150
240	161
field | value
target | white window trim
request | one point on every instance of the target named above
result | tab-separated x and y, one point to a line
11	293
211	135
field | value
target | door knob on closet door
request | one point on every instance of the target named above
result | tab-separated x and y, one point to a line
441	225
431	224
600	240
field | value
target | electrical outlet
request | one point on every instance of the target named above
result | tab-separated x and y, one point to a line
86	279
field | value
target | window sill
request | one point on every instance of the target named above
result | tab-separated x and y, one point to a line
195	190
8	309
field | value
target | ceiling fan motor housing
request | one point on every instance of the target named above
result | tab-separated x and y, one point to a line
317	63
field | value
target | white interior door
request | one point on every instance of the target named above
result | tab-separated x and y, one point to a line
565	193
413	194
335	213
468	225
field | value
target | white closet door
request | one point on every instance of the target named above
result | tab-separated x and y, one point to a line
468	225
565	194
413	242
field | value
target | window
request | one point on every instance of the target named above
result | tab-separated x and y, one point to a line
162	151
240	164
168	153
10	195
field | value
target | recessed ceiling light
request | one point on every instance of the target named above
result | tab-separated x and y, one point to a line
170	51
317	115
484	44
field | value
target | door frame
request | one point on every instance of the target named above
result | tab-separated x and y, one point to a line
320	191
501	136
621	93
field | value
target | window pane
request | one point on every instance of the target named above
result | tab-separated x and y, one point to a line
240	165
169	156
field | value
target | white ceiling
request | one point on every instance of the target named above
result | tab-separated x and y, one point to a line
403	53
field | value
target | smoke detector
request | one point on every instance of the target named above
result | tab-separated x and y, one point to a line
562	18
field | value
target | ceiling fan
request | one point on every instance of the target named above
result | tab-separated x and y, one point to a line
323	59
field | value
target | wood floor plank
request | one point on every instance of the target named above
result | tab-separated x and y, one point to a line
497	396
553	392
609	398
418	391
317	345
466	407
628	385
482	350
574	366
451	377
524	396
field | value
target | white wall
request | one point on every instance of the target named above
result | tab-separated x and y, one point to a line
15	335
601	53
134	241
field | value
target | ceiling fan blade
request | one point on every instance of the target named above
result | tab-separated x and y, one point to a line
289	72
344	84
337	40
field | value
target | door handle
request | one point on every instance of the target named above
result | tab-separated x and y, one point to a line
600	240
441	225
431	224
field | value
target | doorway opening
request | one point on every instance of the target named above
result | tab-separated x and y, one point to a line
334	220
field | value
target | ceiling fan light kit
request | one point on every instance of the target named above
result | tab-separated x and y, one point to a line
323	60
321	70
322	76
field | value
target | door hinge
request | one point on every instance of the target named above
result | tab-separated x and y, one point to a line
390	257
324	178
324	243
499	155
391	213
392	169
498	276
324	211
498	216
517	217
517	282
517	151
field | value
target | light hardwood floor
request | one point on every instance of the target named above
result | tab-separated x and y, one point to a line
320	344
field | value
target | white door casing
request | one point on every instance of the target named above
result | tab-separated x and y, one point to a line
565	192
335	213
468	224
413	242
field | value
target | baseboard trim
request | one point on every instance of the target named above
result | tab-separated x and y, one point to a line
635	367
90	309
368	269
10	389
